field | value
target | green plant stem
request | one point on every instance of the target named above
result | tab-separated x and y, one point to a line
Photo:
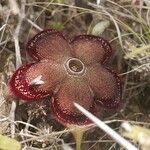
78	133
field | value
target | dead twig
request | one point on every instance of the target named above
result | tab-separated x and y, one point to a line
21	15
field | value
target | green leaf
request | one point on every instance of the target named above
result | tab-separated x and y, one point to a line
100	27
135	130
140	135
56	25
7	143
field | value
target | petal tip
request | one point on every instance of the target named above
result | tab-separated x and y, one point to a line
33	43
66	118
91	48
19	87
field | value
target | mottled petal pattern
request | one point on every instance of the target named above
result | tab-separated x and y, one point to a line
91	49
51	74
105	84
49	44
73	90
68	72
20	88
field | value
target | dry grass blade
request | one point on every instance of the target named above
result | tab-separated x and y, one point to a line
21	14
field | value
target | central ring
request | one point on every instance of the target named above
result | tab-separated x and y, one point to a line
75	66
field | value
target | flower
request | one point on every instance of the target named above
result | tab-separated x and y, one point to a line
68	72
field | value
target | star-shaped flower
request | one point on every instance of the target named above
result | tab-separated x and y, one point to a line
68	72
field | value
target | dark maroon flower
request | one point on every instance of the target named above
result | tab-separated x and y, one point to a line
68	72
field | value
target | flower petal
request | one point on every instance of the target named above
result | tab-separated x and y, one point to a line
51	74
73	90
106	86
91	49
48	44
20	88
20	83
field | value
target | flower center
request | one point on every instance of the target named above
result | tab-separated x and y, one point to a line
75	66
